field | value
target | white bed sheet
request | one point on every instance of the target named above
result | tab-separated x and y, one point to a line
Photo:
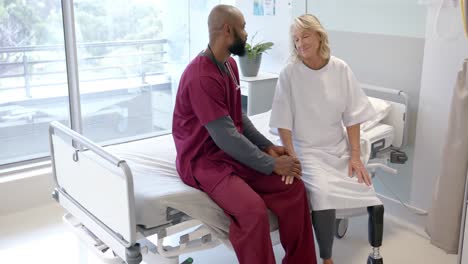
158	186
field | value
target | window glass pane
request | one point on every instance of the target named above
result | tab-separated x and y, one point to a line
127	63
33	83
389	17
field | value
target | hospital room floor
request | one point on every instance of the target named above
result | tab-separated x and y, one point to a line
39	236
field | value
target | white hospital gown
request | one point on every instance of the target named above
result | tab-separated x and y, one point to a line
314	105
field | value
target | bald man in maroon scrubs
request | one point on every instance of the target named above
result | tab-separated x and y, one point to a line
220	152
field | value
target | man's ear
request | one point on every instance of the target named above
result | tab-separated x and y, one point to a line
226	29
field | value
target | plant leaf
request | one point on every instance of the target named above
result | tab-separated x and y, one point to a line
257	49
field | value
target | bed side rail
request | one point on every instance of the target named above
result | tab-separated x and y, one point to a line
95	184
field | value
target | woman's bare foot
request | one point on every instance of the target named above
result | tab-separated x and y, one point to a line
328	261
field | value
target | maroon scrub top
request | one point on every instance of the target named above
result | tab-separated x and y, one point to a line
206	93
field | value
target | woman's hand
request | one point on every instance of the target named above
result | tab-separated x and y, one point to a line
355	166
289	179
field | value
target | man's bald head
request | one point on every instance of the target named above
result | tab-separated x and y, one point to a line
221	15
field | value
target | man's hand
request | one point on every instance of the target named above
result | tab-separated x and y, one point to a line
288	168
278	151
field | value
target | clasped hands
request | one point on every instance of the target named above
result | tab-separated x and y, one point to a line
286	163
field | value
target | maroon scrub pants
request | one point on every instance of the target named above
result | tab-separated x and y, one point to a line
245	197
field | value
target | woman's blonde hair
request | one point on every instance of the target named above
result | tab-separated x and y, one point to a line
310	23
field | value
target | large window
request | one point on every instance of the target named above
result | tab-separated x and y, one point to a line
125	72
33	79
130	56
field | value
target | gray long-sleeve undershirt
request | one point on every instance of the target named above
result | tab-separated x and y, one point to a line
252	134
245	148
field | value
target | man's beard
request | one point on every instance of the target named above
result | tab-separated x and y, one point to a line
238	47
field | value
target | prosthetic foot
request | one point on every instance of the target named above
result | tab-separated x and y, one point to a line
375	233
375	257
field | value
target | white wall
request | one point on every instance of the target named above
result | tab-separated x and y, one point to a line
388	17
442	60
270	28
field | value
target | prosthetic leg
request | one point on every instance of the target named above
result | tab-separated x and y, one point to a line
376	214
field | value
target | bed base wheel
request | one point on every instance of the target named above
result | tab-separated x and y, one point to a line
341	226
133	254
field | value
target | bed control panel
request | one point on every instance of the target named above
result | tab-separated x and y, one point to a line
376	147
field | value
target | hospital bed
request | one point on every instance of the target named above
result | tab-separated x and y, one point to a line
126	201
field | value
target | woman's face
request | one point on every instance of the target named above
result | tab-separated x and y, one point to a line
307	43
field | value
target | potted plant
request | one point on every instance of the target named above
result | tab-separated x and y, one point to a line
250	62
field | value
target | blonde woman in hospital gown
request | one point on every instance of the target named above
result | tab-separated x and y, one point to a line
317	109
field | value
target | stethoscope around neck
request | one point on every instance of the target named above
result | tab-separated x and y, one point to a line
230	71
